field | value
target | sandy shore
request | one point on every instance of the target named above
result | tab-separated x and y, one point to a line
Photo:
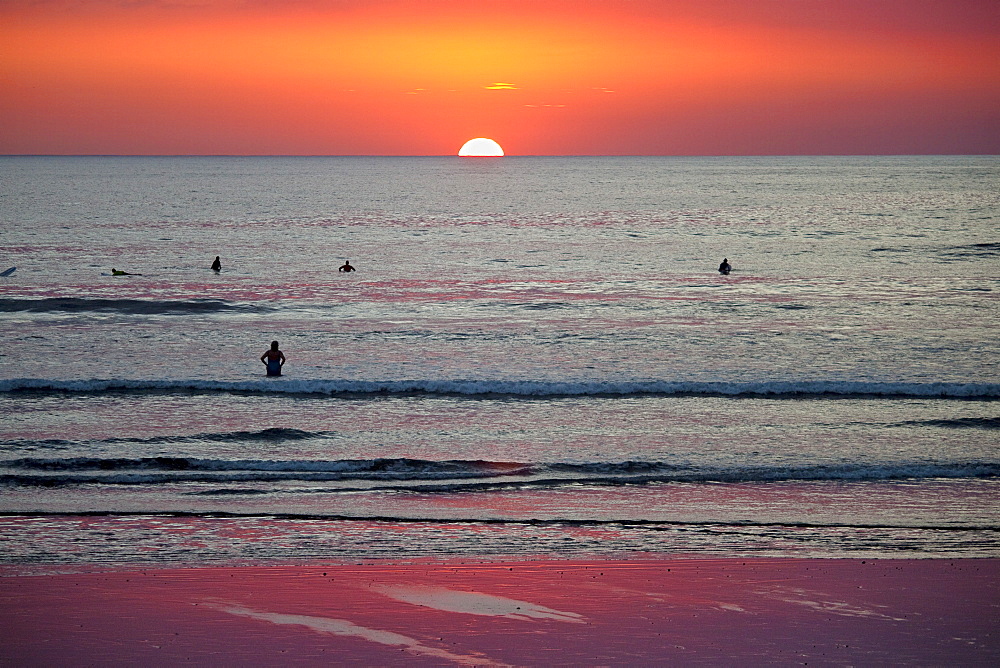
541	613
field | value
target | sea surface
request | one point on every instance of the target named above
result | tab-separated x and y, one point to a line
535	357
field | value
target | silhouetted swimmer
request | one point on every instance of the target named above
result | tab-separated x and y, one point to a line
217	265
273	359
725	267
119	272
346	266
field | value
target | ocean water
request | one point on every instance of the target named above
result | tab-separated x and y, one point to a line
535	357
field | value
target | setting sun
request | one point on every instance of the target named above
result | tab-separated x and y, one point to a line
480	147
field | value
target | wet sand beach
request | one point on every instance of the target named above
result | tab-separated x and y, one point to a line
664	611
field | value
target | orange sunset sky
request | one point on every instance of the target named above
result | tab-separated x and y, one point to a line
542	77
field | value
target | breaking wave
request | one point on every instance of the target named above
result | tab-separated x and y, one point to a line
270	435
387	474
514	388
128	306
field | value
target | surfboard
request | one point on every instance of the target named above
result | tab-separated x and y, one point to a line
8	272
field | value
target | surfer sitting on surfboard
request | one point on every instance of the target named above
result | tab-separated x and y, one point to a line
725	267
273	359
346	266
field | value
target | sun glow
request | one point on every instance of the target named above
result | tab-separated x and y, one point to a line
480	147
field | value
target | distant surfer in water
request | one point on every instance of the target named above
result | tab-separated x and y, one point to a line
725	267
217	265
273	359
346	266
119	272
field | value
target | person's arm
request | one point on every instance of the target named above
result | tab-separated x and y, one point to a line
263	359
281	356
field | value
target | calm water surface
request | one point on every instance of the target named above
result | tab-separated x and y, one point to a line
536	356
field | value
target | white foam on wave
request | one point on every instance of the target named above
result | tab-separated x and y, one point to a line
525	388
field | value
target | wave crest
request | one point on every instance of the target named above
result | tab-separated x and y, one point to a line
128	306
515	388
413	475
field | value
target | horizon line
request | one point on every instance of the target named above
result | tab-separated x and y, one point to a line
518	155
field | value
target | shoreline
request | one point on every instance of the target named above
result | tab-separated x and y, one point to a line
640	611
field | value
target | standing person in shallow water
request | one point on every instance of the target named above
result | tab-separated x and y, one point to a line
273	359
725	267
217	265
346	266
